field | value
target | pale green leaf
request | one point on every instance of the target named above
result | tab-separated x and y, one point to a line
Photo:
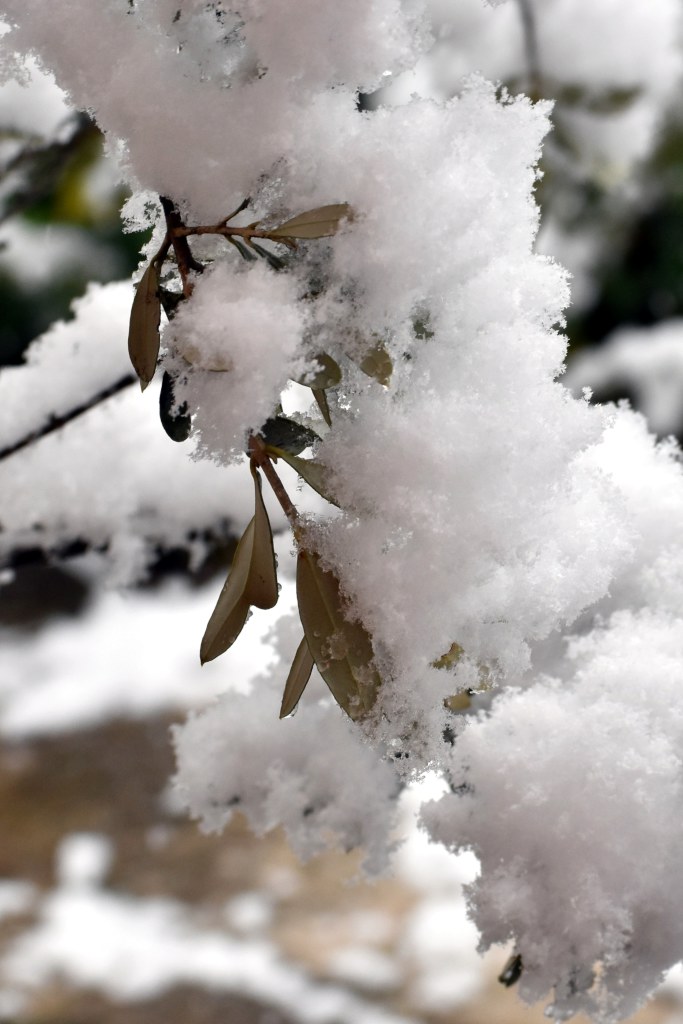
261	589
232	607
341	649
143	332
297	680
252	580
318	223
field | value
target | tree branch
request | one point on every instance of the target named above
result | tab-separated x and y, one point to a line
57	422
528	16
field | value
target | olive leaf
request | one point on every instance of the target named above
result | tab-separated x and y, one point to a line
261	589
252	580
232	607
143	332
281	432
341	649
322	403
313	473
377	363
174	418
297	680
318	223
327	375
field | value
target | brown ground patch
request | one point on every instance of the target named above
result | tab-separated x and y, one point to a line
111	780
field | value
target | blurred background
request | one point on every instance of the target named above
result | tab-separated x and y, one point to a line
113	906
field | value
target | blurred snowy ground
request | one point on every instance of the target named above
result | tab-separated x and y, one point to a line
113	906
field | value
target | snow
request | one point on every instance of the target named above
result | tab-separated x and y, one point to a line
645	363
483	508
133	949
131	654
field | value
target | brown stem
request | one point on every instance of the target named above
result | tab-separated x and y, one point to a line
259	455
186	261
227	232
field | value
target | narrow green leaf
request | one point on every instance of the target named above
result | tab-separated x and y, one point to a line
318	223
276	262
143	332
297	680
327	375
174	419
376	363
232	607
313	473
282	432
322	403
341	649
261	589
242	249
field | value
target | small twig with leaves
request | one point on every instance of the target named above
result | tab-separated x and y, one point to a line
339	646
335	642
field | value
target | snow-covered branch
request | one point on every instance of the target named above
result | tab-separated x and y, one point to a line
494	589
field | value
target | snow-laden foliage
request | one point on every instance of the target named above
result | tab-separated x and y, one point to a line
510	552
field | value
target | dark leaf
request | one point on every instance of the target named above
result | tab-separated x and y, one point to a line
242	249
170	301
280	432
322	403
276	262
512	971
174	419
341	649
143	333
318	223
297	680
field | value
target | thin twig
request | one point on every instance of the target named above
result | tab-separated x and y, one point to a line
259	455
228	231
186	261
531	50
57	422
